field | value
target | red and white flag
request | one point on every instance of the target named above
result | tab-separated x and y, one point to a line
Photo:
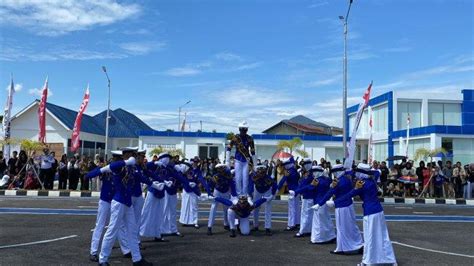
371	131
75	142
352	144
42	113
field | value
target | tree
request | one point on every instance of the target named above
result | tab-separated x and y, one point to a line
172	152
31	146
230	136
293	145
423	153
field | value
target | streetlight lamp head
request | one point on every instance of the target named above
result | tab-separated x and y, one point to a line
104	69
341	17
188	101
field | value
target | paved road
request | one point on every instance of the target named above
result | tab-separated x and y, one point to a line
436	229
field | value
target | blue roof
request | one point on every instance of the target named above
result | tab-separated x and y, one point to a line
122	124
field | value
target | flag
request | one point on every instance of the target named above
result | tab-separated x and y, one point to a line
183	126
408	135
7	120
352	144
371	144
42	113
75	142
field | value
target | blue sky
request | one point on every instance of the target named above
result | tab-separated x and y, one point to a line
259	60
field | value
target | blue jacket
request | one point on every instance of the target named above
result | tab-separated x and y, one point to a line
141	177
262	185
304	190
222	184
291	179
246	140
343	187
368	194
107	190
196	177
320	190
157	173
123	178
243	211
176	177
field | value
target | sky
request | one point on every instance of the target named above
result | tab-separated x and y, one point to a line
260	61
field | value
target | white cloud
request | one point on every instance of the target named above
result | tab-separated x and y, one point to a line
58	17
248	96
17	87
399	49
182	71
141	48
247	66
325	82
318	3
38	92
225	56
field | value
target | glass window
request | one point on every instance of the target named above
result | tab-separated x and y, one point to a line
435	114
444	114
380	118
409	108
380	151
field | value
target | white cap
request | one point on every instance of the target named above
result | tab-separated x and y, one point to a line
130	149
4	180
221	165
116	153
363	166
142	151
307	160
317	168
243	124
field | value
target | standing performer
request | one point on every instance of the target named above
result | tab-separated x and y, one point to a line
137	193
153	209
121	211
103	211
244	157
291	178
191	194
241	209
308	196
224	187
173	179
261	186
349	239
377	245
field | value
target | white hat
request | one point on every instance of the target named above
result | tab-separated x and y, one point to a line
363	171
163	155
221	165
260	166
116	153
4	180
141	151
243	124
129	149
317	168
307	161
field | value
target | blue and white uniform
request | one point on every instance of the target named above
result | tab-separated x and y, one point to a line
173	180
377	245
224	187
349	238
191	194
261	186
292	180
244	154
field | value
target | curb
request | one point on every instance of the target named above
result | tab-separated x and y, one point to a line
96	194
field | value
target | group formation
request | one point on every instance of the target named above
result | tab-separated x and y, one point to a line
241	191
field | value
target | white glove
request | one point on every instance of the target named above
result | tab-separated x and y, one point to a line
202	197
315	207
192	184
168	183
291	194
250	201
130	161
158	186
227	158
269	198
330	203
234	200
210	197
105	169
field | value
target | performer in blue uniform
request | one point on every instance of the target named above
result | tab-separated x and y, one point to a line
191	194
291	178
173	180
349	239
121	210
308	195
224	187
261	186
244	157
241	209
377	245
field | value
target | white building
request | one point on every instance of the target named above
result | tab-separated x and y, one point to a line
446	122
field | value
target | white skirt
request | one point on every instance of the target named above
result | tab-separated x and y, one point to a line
377	245
189	209
152	216
323	228
349	237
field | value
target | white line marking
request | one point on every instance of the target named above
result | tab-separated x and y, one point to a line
409	208
432	250
87	207
422	212
38	242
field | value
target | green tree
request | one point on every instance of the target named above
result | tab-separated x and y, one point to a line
172	152
31	146
229	136
423	153
293	145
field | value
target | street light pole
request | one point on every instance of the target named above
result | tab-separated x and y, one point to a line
179	114
344	91
108	115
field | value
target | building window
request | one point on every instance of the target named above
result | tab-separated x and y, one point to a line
163	146
380	151
380	118
444	114
409	108
208	152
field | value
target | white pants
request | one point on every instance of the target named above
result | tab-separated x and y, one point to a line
120	215
322	229
169	220
241	177
268	209
349	237
244	222
152	216
467	190
377	245
306	216
189	209
212	212
293	211
103	217
137	205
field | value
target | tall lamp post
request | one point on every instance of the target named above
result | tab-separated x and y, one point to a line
344	91
108	115
179	114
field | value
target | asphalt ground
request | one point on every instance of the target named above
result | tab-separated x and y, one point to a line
423	235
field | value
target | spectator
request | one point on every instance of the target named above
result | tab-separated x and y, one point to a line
384	172
439	180
62	172
459	177
12	164
409	171
470	181
419	172
46	173
3	164
427	188
73	172
84	169
449	184
20	165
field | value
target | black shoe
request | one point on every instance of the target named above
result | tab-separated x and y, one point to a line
268	232
161	240
94	258
104	264
226	227
290	228
178	234
209	231
197	226
232	233
337	252
142	262
354	252
128	255
326	242
298	235
140	246
255	229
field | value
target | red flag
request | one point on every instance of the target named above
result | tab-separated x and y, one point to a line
42	113
77	124
367	95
